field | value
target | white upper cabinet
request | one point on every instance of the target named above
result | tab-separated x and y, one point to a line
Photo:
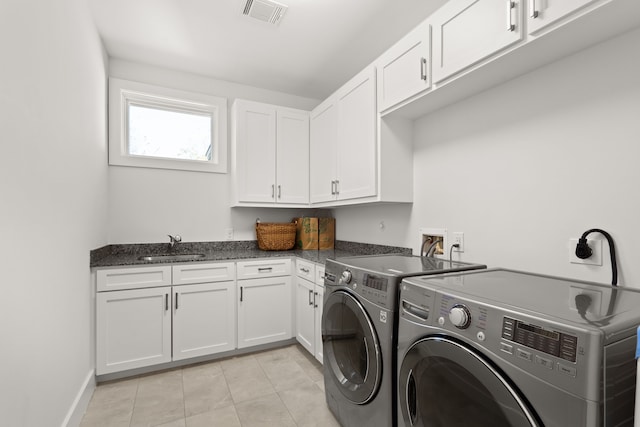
343	142
541	13
270	154
323	154
467	31
357	137
405	69
292	157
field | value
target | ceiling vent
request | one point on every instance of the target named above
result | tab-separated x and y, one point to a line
265	10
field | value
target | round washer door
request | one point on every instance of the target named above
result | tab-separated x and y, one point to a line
351	348
443	382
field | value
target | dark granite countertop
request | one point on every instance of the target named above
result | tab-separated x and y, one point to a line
129	254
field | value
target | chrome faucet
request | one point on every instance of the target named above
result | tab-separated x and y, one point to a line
174	240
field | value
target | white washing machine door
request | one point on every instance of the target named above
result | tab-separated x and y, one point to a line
351	347
443	382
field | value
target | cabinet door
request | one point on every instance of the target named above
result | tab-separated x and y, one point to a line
541	13
255	151
468	31
357	137
204	319
319	298
404	70
133	329
292	163
323	154
264	311
305	314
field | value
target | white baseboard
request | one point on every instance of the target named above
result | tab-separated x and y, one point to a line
80	403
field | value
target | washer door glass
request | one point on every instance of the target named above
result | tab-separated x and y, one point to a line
444	383
351	349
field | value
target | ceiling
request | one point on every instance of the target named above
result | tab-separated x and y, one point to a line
318	45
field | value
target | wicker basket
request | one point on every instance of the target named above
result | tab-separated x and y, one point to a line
274	236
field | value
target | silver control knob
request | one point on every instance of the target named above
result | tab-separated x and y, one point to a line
346	276
460	317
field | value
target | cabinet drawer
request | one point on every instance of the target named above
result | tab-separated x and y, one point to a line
320	275
305	269
203	273
263	268
133	278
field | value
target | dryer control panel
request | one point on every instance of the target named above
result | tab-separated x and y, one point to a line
542	339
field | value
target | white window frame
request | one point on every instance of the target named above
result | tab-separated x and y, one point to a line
122	92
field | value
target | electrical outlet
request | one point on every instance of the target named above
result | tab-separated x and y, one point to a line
594	259
458	237
229	233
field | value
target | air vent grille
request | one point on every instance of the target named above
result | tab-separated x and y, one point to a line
265	10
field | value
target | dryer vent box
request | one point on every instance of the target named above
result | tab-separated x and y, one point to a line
265	10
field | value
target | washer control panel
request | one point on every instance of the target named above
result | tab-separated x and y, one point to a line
379	289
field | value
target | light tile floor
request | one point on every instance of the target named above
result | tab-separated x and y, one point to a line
281	387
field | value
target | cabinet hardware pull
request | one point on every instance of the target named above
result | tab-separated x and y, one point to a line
304	270
310	296
166	302
423	69
333	187
273	191
337	186
176	300
240	293
279	191
265	269
533	11
510	24
315	303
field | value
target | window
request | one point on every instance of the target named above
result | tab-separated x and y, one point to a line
155	127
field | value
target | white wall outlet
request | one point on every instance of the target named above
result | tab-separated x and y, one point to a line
594	259
458	238
229	233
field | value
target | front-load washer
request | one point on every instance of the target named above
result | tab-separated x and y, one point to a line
359	324
506	348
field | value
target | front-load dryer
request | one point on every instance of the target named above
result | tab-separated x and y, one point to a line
506	348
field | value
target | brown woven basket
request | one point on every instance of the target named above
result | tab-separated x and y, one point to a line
274	236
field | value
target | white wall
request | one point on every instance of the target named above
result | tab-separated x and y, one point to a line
147	204
525	166
53	192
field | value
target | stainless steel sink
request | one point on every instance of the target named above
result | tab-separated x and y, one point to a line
171	257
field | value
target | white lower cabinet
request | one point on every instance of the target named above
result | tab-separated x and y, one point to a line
150	315
305	314
204	319
319	298
142	327
264	304
133	329
309	295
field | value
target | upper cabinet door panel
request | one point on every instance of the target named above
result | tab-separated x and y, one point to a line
292	162
541	13
405	69
357	137
256	151
323	143
468	31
